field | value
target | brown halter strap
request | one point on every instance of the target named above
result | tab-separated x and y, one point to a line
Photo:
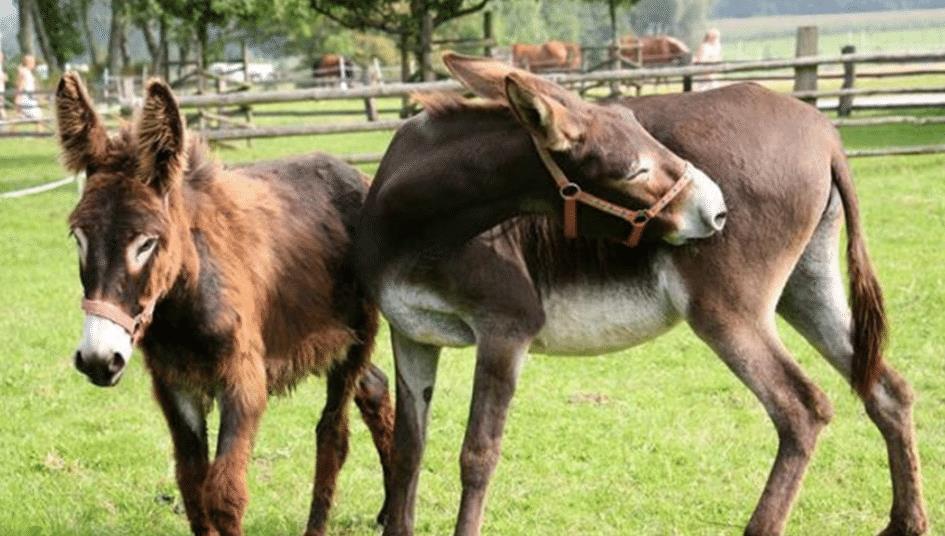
572	194
132	324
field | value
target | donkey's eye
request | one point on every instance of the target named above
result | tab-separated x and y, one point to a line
140	250
147	246
641	174
81	243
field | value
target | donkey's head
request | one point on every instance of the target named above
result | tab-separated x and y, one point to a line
126	224
602	150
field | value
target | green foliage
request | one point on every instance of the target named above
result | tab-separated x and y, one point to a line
60	19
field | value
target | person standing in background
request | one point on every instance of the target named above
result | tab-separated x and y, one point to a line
709	51
3	89
26	105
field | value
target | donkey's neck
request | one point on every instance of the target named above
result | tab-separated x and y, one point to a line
455	189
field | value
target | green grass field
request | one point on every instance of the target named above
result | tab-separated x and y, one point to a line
879	31
661	439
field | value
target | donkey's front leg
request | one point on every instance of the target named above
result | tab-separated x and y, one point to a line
242	401
498	362
186	414
415	365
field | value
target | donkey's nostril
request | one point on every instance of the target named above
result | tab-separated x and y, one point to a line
117	363
719	221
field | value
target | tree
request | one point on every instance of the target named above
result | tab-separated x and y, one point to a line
57	22
94	51
118	56
27	30
412	22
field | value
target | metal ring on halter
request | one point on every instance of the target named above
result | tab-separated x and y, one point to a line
640	218
570	190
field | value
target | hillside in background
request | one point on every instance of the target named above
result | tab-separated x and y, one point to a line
755	8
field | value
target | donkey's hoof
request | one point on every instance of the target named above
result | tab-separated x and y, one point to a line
914	526
382	516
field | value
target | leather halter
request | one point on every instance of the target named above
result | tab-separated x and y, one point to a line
572	194
132	324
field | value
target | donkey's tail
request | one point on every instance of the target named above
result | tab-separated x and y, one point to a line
869	329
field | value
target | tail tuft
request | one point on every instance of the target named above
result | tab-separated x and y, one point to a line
869	329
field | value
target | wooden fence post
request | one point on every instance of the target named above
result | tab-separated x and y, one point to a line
247	109
805	78
687	79
487	33
845	103
370	106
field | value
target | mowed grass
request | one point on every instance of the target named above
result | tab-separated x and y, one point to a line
875	31
660	439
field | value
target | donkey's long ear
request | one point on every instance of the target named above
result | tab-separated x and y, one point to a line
161	138
81	132
555	125
483	76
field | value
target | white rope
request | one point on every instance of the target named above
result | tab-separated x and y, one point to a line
39	189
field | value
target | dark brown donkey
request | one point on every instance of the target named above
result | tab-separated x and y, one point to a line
235	283
451	245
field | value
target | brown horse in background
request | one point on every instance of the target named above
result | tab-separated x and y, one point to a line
550	56
236	283
333	66
652	50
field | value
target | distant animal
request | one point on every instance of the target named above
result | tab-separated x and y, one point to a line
651	50
333	66
503	224
235	283
550	56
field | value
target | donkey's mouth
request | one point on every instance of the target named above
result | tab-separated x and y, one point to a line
106	382
101	374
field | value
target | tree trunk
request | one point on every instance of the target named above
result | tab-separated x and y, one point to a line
426	47
153	44
203	39
165	50
117	48
44	44
27	33
404	72
95	53
614	47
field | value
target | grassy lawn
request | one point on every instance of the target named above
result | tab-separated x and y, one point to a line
661	439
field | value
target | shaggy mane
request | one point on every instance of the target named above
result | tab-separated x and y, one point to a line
122	154
444	103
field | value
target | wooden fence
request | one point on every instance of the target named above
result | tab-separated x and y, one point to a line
846	97
805	76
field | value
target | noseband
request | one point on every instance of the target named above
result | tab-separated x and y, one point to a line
134	325
572	194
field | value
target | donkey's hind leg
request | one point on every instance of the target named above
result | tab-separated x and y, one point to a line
373	400
751	349
331	434
815	304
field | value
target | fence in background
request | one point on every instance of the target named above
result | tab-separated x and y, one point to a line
214	111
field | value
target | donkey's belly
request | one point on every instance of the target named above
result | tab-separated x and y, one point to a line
589	318
593	320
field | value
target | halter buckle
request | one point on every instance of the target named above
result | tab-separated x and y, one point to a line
570	190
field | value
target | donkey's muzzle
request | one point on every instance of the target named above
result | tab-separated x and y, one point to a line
104	371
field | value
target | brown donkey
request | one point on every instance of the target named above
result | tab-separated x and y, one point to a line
461	243
235	283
